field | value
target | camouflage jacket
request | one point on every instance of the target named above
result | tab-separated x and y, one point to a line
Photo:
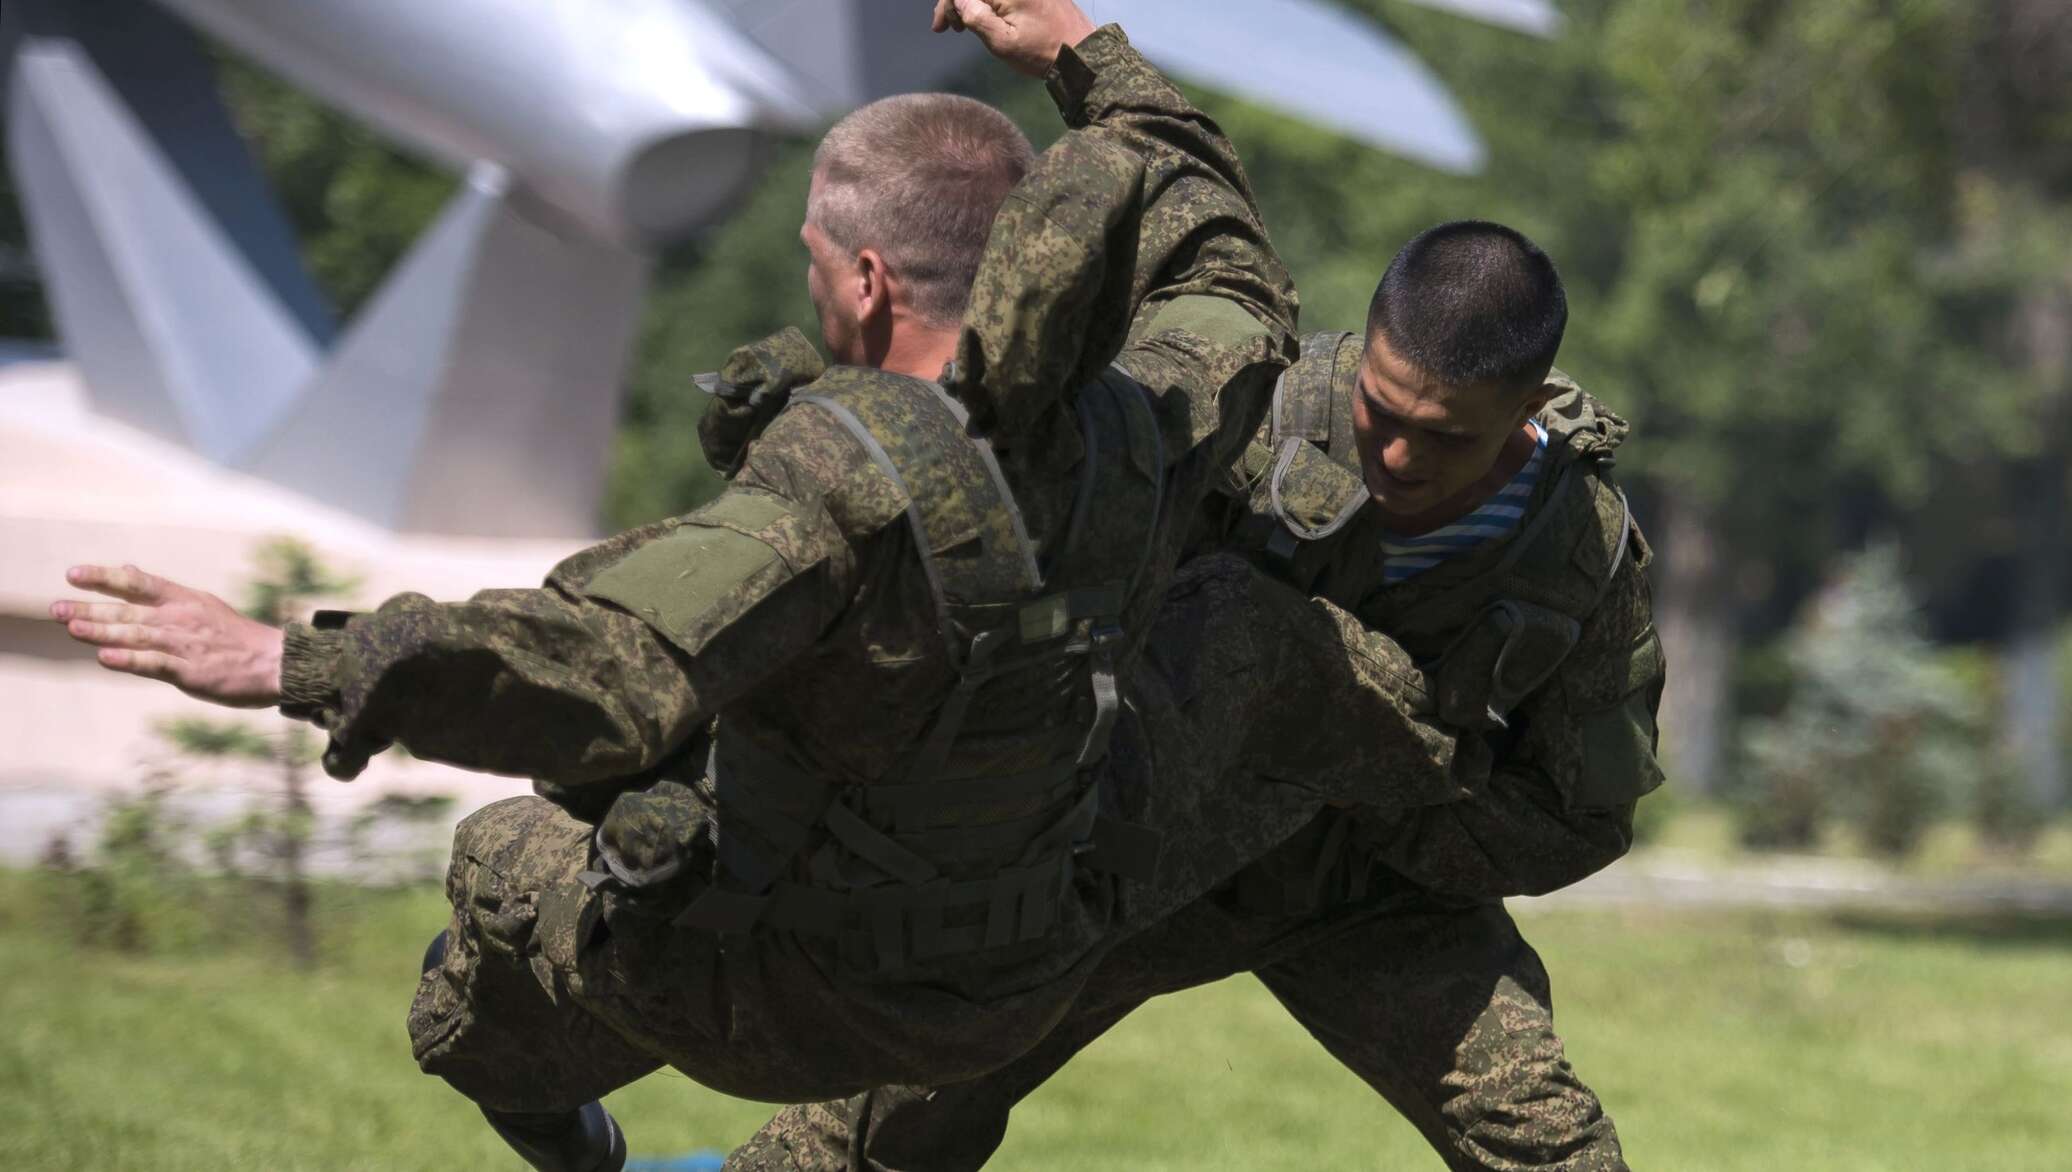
798	610
1547	781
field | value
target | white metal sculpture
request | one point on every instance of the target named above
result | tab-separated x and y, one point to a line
477	391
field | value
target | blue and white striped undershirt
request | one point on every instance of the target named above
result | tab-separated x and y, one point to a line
1496	518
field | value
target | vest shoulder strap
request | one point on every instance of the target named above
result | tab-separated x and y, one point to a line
968	530
1306	400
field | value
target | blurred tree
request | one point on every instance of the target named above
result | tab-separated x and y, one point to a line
2017	112
1785	180
356	202
289	578
1881	732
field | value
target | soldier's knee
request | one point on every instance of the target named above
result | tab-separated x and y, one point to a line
493	829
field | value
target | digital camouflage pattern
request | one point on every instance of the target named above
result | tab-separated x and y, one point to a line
1576	750
797	616
1443	1009
1433	999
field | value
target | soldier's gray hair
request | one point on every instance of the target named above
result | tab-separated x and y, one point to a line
919	178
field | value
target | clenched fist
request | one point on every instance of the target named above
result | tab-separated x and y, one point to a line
162	630
1026	34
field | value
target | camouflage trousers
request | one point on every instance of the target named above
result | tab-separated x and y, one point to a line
553	993
1443	1009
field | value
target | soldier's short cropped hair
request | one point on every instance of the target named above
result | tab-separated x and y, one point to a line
919	178
1472	303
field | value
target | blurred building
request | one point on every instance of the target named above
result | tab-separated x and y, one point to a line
76	486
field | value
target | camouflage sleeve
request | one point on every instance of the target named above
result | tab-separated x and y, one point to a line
1558	805
1295	690
1196	193
1136	230
624	653
1348	714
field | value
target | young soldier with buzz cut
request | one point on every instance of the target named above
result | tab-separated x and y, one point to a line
1439	481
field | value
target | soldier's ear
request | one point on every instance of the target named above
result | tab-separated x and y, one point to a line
873	284
1537	401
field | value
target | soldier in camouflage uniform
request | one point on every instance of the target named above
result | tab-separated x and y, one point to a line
1382	931
837	776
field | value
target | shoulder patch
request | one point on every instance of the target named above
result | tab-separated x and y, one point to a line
1218	319
684	584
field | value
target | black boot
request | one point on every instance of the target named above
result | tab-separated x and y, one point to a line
586	1139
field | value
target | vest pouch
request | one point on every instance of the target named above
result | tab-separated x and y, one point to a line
1615	716
1503	656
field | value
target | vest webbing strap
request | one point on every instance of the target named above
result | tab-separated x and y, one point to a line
877	881
1292	451
876	451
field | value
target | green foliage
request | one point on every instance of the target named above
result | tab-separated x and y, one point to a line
355	202
142	895
288	576
1881	732
1656	813
217	739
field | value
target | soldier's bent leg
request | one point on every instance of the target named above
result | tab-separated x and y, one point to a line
955	1128
492	1016
1446	1013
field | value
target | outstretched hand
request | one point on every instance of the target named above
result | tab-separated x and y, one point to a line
162	630
1026	34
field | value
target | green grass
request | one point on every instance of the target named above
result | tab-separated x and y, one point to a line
1724	1041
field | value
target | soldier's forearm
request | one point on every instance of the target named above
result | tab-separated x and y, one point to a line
1200	229
1354	720
1104	82
532	683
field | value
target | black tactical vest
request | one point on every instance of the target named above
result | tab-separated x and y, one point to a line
971	842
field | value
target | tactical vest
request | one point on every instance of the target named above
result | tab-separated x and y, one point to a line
972	842
1508	627
1486	641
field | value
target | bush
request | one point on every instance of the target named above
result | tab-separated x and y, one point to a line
1880	732
141	894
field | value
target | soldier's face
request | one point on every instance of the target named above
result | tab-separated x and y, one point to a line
829	276
1428	448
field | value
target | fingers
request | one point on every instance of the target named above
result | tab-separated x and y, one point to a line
946	19
152	665
980	17
117	634
100	612
127	583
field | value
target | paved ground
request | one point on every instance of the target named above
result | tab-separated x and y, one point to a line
1665	880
